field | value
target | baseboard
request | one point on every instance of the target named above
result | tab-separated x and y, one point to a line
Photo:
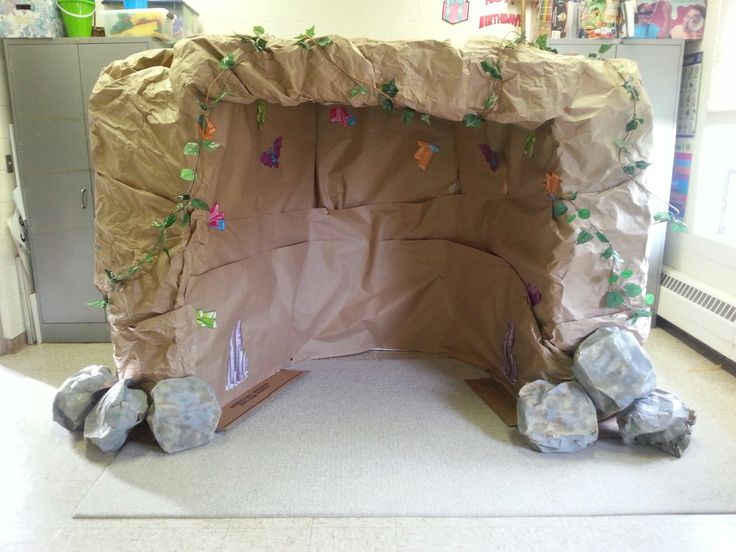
9	346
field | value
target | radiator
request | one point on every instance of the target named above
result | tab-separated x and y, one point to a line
702	311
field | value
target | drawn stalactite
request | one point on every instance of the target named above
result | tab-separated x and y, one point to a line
509	362
237	360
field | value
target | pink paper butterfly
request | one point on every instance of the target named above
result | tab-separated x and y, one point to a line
217	218
492	157
340	115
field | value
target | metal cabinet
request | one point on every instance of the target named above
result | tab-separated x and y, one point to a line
660	66
50	83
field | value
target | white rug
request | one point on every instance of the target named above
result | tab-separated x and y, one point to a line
407	437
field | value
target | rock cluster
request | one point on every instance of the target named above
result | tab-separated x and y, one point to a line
613	375
183	412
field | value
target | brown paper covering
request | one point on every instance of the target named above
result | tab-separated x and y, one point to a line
349	245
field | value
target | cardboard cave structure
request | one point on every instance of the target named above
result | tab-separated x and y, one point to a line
348	244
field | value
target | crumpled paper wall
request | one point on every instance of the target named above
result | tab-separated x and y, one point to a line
349	245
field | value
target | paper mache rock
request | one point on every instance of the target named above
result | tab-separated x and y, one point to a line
79	394
613	369
119	411
556	418
660	420
184	413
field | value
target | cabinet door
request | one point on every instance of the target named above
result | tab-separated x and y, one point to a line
53	160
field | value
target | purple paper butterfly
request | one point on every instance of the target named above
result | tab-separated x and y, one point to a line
492	157
535	296
271	156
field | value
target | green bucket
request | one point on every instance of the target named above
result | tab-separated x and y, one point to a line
77	16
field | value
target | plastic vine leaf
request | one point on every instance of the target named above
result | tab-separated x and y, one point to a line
191	148
426	118
99	304
472	120
662	216
390	88
492	69
601	237
210	145
608	253
571	218
679	226
583	237
408	115
490	101
613	278
649	299
628	273
199	204
584	213
632	290
357	91
559	208
614	299
187	174
227	62
388	105
258	30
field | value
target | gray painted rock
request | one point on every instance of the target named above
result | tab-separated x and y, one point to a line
613	369
184	413
119	411
556	418
79	394
660	420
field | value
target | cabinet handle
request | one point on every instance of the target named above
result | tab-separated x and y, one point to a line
83	192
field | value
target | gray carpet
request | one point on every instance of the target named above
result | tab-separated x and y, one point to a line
405	436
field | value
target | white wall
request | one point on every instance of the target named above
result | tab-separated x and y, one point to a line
379	19
11	316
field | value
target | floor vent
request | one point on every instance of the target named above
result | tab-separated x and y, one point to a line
699	297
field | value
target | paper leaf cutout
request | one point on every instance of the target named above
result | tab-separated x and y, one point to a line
510	369
237	360
424	153
492	157
340	115
529	142
260	113
216	218
206	319
271	156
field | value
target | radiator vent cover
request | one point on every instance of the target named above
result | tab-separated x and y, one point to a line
699	297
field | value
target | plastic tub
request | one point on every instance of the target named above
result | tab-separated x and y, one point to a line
148	22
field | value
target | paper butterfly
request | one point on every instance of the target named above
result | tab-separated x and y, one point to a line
552	184
205	128
217	218
424	153
340	115
207	319
271	156
492	157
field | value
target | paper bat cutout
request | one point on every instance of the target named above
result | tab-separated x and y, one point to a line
271	156
424	153
492	157
216	219
207	319
340	115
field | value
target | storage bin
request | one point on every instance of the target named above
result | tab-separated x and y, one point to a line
148	22
186	23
